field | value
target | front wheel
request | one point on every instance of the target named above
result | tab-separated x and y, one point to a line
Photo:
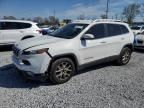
62	70
124	56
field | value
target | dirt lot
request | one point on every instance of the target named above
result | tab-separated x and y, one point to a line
101	86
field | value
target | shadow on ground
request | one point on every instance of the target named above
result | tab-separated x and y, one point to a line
10	78
139	50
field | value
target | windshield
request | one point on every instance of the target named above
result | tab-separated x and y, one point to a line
69	31
135	28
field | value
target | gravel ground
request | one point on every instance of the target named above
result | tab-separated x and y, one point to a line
101	86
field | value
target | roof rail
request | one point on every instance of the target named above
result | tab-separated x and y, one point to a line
107	20
77	21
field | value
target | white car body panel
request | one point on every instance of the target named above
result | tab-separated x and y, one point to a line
84	50
12	36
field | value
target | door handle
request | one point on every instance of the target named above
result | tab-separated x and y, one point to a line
21	31
122	38
103	42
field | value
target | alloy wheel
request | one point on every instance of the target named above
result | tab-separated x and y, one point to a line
126	57
64	70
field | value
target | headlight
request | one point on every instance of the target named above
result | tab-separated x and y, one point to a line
40	51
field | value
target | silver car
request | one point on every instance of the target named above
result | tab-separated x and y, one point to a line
139	41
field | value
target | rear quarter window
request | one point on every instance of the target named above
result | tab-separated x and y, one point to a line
24	25
124	29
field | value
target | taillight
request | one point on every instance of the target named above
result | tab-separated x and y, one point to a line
40	31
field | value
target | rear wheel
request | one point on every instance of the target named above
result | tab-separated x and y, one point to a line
62	70
124	56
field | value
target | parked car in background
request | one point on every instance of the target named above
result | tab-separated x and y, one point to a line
139	41
12	31
59	55
137	29
48	30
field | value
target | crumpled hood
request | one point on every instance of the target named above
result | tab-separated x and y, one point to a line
31	42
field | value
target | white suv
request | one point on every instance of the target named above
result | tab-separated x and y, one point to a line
59	55
12	31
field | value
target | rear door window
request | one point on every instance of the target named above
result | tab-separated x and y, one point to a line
8	26
113	30
14	25
24	25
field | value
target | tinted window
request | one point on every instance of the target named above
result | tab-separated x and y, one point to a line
97	30
113	29
24	25
124	29
8	25
13	25
0	26
69	31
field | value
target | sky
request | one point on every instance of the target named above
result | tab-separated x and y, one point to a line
63	8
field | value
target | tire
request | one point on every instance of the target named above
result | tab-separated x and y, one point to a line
124	56
62	70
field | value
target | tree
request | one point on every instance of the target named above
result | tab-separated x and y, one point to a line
81	17
39	20
116	16
53	20
131	11
29	19
142	11
103	16
46	21
67	21
22	18
9	17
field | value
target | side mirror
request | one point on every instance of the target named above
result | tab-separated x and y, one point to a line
87	37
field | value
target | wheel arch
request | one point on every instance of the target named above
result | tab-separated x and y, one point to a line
129	45
68	55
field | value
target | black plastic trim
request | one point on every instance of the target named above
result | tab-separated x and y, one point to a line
96	62
49	54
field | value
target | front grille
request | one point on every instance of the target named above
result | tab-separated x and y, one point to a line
16	50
